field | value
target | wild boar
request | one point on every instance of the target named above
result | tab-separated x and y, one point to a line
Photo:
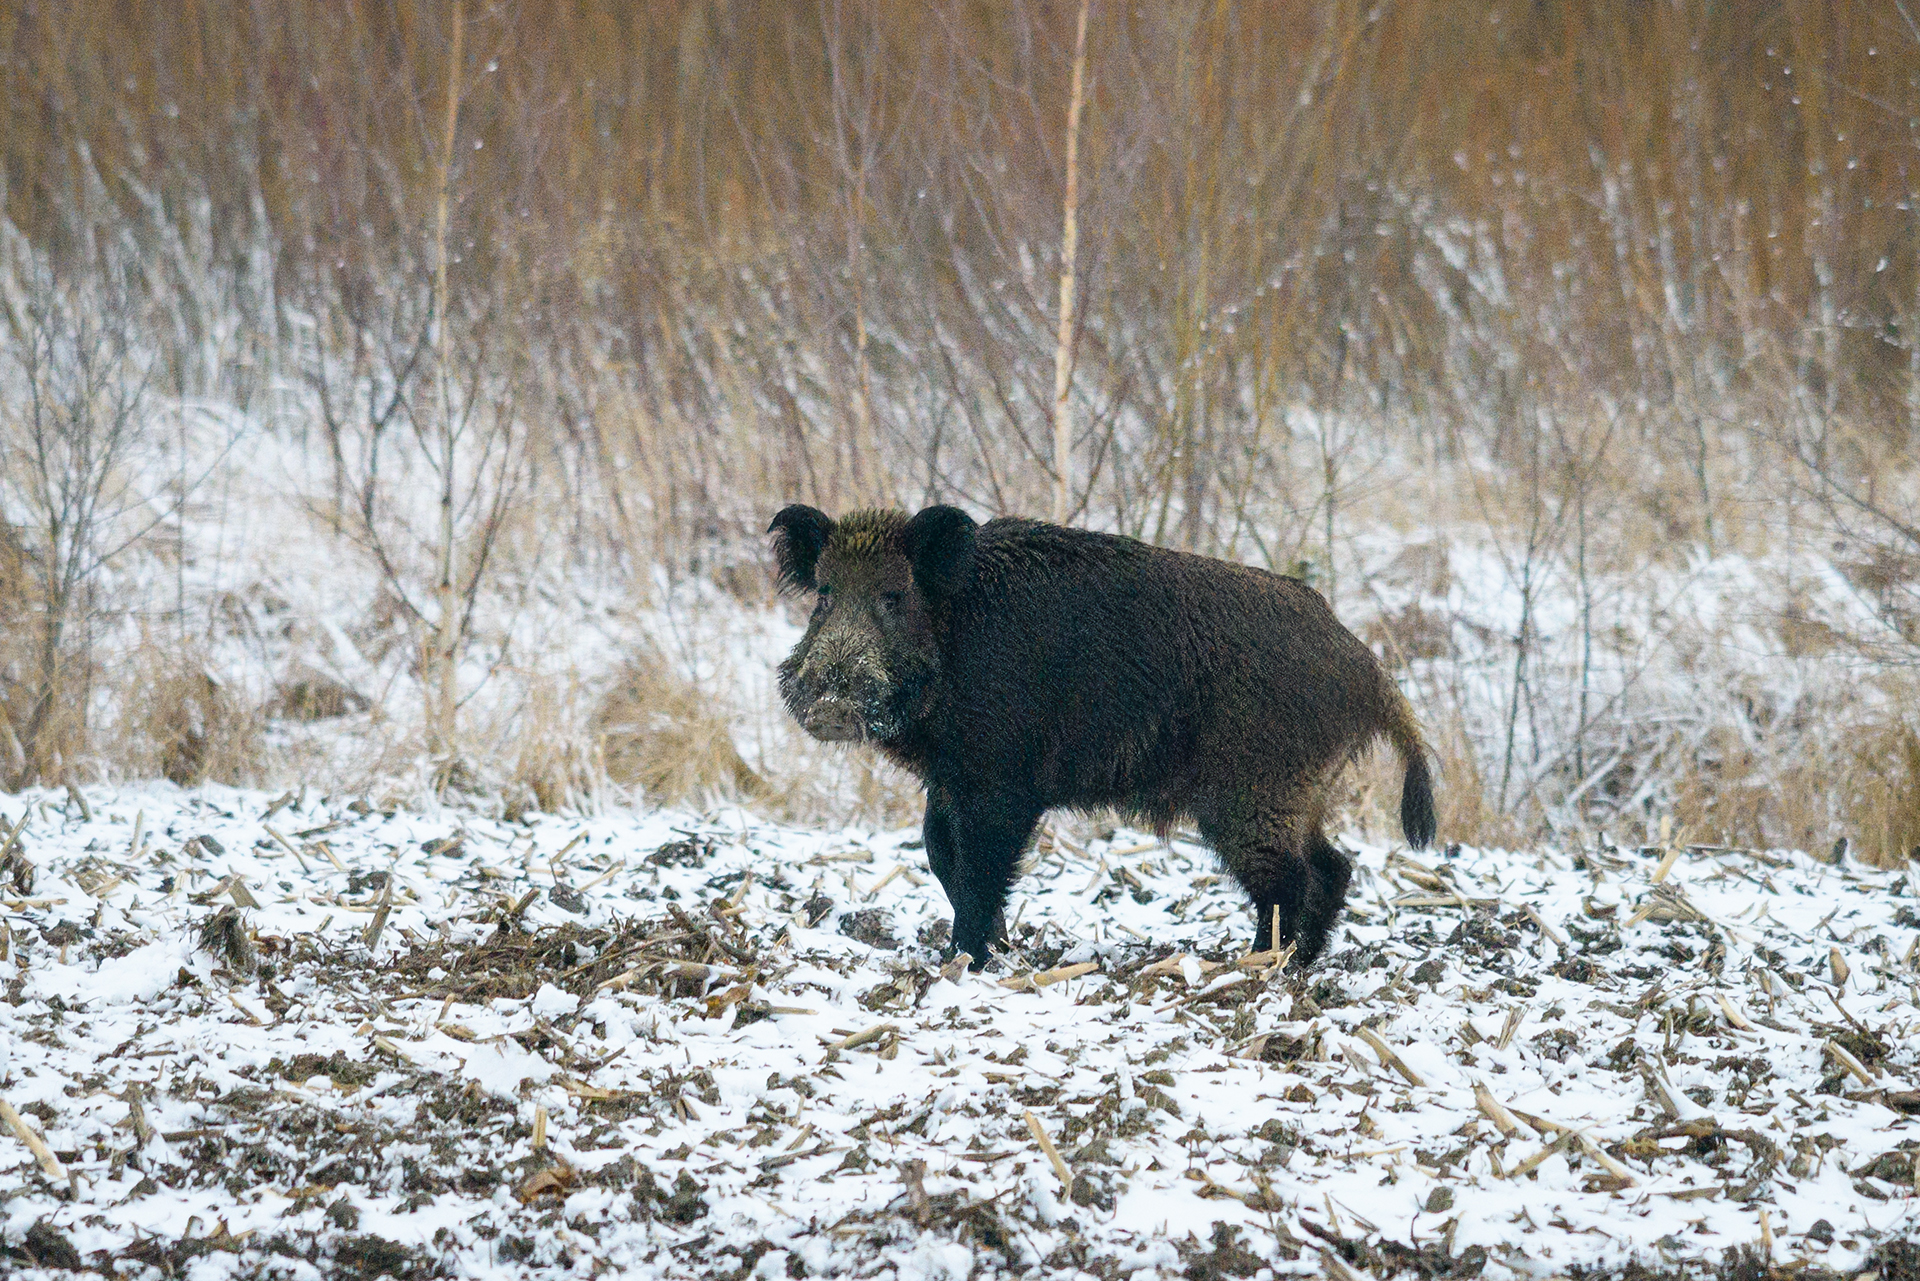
1016	667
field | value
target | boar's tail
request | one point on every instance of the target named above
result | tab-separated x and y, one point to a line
1416	789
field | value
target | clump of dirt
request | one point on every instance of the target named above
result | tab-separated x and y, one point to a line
345	1073
1480	935
345	1258
227	937
1226	1256
370	1256
978	1224
682	1203
872	926
644	956
1556	1044
1433	1261
691	851
1735	1265
1898	1261
43	1246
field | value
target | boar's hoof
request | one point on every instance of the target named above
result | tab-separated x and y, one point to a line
951	954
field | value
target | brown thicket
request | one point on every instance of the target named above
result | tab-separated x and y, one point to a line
1614	279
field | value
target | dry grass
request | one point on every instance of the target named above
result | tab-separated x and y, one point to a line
64	737
1846	773
657	731
1728	789
1462	798
826	781
1367	794
1882	793
554	763
309	695
178	720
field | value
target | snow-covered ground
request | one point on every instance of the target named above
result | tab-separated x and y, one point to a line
295	1036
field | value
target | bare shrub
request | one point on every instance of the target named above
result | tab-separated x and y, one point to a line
659	732
184	723
1729	787
16	650
69	434
556	760
1881	790
309	695
1844	763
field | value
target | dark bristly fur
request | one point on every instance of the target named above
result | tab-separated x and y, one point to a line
1017	667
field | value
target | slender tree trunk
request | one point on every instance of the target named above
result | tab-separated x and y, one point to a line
1069	246
1913	335
34	745
863	441
1330	481
1586	635
443	677
1332	452
1701	478
1529	588
1519	680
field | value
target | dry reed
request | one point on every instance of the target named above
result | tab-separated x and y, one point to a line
1606	292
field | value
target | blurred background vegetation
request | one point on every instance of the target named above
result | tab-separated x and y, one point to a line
1605	289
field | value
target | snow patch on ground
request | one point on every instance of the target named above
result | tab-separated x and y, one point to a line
284	1036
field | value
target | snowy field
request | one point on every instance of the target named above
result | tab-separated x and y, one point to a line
287	1036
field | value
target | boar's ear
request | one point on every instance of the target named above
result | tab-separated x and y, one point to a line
940	545
800	534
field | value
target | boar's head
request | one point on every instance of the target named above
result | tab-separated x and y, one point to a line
870	661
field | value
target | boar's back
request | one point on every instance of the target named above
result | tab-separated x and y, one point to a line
1103	668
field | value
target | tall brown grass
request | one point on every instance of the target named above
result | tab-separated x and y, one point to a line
177	720
1621	285
657	731
1426	210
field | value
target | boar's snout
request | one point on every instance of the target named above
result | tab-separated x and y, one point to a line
834	720
837	688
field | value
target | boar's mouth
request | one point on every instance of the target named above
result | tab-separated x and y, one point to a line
835	720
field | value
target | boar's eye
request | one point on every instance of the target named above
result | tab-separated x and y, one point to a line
890	602
825	603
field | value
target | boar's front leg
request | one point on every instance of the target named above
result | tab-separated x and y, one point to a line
974	846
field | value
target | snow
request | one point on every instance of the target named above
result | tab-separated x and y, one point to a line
753	1064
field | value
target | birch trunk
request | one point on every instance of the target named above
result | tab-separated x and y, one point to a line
1069	246
442	678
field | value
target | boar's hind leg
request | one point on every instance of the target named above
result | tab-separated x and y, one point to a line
1331	870
1284	862
974	847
